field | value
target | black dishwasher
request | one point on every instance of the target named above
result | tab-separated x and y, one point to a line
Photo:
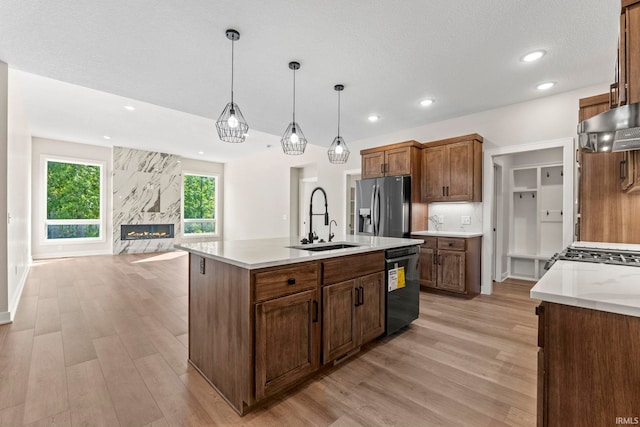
403	287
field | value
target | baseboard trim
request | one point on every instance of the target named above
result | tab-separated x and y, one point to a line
5	317
13	305
71	254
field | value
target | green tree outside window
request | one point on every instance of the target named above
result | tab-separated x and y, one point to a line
199	204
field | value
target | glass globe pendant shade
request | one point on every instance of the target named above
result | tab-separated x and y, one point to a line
293	141
231	124
338	151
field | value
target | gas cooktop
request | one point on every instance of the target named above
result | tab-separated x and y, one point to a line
600	256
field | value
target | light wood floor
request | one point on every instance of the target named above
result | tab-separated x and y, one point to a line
102	341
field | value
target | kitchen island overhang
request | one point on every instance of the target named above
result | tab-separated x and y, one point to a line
264	316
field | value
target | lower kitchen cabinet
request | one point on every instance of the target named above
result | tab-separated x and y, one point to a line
450	265
287	341
588	367
353	314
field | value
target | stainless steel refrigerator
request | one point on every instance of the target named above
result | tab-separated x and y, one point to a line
383	206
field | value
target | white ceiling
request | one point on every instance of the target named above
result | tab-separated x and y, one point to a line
389	55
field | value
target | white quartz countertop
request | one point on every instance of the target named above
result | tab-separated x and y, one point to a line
433	233
604	287
260	253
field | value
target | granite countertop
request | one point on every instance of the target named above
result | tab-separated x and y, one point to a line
433	233
604	287
260	253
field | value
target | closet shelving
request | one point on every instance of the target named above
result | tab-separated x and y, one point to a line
536	221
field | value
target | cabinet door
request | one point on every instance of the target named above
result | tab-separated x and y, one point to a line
460	185
451	273
427	267
372	308
433	173
632	46
373	165
339	331
398	161
287	341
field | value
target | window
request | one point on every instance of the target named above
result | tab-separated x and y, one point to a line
74	200
200	204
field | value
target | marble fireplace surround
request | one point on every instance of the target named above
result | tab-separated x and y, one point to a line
146	190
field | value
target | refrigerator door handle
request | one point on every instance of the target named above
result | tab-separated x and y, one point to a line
373	210
377	226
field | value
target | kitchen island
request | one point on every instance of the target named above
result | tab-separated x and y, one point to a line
589	339
266	314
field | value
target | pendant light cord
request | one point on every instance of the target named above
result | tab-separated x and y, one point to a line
232	44
294	96
338	113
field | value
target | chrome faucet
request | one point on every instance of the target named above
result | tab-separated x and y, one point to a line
331	235
312	235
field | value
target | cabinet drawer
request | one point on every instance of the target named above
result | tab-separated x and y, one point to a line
429	242
346	268
453	244
285	281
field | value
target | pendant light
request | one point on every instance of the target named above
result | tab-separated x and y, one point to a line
293	141
231	125
338	151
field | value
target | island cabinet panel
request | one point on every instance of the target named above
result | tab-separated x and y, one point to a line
287	341
339	319
590	367
372	309
345	268
220	327
285	281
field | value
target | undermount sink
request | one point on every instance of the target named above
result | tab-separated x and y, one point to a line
317	247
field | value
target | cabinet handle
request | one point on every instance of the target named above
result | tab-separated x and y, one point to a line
357	297
450	244
202	265
439	259
623	170
291	281
315	311
361	295
613	95
381	167
435	261
443	191
447	191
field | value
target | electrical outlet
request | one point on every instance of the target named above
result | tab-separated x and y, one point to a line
440	219
465	220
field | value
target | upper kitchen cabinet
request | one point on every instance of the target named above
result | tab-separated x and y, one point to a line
452	170
402	158
627	88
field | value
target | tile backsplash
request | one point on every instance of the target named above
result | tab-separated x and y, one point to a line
452	214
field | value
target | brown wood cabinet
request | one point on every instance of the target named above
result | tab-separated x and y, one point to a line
402	158
607	185
588	366
451	265
452	170
255	333
352	304
627	88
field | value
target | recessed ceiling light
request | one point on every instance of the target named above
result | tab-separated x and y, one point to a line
106	137
373	118
200	152
426	102
129	107
533	56
545	86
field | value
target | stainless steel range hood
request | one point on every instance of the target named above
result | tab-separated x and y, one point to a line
614	130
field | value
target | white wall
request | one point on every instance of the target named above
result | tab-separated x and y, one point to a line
70	150
19	195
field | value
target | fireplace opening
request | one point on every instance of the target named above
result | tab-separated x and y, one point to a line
146	231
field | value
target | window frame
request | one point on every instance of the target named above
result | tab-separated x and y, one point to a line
101	221
215	220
